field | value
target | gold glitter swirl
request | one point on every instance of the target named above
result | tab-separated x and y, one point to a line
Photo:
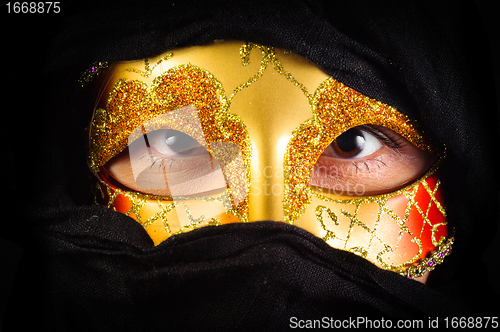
89	74
148	70
159	216
268	57
340	216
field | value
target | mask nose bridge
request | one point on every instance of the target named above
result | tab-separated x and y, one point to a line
266	178
271	110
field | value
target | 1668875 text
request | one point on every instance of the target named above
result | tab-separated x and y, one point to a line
33	7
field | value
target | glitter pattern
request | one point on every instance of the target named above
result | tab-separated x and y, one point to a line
421	226
148	70
421	241
92	72
162	217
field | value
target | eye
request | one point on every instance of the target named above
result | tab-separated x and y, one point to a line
369	160
354	143
174	143
166	162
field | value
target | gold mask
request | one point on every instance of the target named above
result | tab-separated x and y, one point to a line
171	149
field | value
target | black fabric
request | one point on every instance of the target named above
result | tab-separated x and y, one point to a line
90	269
108	276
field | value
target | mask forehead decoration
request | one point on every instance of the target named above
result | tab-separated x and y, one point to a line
171	150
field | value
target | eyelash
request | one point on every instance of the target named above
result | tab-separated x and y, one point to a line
168	163
396	143
155	159
366	166
388	140
159	161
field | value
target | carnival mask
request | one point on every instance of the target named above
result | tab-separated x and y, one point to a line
238	132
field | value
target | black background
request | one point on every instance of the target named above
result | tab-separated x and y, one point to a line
24	40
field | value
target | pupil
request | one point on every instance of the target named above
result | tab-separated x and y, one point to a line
351	141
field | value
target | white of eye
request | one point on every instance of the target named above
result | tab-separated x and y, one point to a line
354	143
371	145
172	142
